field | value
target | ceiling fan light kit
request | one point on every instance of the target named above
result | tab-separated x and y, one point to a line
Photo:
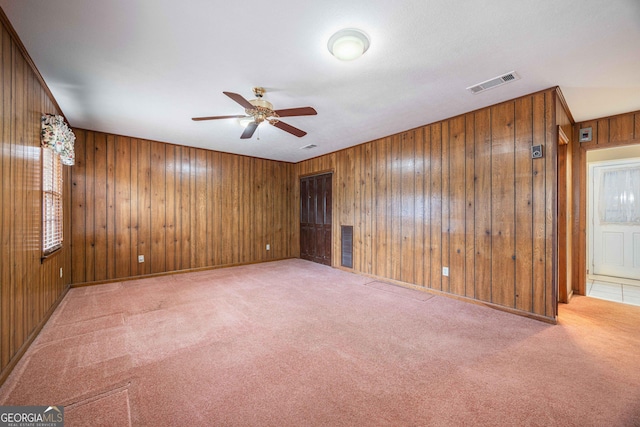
348	44
260	110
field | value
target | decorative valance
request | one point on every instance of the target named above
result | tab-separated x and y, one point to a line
57	135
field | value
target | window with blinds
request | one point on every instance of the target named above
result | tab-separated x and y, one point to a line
51	201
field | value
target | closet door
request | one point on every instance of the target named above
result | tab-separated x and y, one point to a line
315	218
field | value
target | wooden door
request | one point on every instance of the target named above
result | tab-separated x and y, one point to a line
315	218
615	218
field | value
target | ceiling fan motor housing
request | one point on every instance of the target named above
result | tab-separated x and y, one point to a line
262	110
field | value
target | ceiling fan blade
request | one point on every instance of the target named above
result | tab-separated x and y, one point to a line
288	128
301	111
239	99
218	117
249	130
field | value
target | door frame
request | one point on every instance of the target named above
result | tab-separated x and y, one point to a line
590	203
564	229
333	210
580	261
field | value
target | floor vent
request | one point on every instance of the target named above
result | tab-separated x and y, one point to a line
346	245
495	82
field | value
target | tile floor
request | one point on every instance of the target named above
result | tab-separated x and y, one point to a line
628	294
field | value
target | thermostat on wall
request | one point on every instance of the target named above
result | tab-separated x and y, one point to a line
536	151
586	134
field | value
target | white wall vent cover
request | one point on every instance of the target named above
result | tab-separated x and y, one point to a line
308	147
495	82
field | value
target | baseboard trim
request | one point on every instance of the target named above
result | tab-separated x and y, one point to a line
171	273
25	346
522	313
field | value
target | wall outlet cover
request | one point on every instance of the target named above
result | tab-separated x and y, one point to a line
140	258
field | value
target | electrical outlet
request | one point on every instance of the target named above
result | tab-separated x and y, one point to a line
140	258
445	271
268	247
61	272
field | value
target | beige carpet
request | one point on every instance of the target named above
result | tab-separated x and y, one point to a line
296	343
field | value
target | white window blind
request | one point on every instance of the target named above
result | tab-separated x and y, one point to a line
51	201
620	196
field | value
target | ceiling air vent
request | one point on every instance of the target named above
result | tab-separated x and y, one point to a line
495	82
308	147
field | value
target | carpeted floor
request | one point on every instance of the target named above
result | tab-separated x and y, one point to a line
293	343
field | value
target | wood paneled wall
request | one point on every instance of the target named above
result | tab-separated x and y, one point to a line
462	193
181	208
29	288
615	131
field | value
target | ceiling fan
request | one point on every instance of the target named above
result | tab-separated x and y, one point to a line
260	111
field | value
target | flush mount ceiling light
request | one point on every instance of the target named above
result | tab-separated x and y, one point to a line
348	44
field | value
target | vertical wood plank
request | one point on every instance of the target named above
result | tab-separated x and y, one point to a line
418	214
524	204
358	232
227	209
457	200
396	207
436	207
503	205
111	202
445	203
407	197
234	203
621	128
185	208
215	221
211	219
122	225
483	200
368	208
100	194
470	232
426	256
380	240
602	132
90	241
78	244
144	205
170	209
135	223
201	208
157	206
539	211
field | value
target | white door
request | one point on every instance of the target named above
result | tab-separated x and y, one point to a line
615	219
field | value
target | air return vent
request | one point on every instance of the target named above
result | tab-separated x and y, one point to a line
346	245
495	82
308	147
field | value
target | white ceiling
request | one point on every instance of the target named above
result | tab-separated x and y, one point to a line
143	68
